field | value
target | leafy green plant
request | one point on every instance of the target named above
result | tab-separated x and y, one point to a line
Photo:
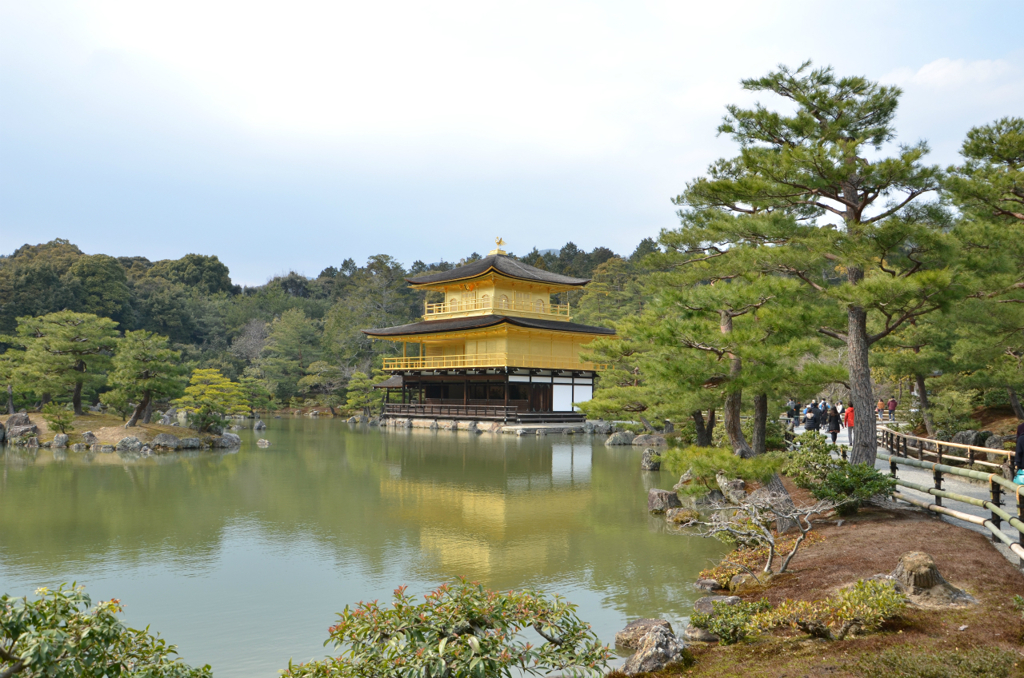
209	397
910	661
58	417
117	400
704	463
731	623
861	607
63	634
460	630
951	410
775	433
812	467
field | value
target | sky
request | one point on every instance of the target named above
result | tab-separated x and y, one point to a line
292	135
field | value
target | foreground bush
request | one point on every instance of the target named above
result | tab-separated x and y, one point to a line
861	607
704	463
62	634
731	623
812	467
460	630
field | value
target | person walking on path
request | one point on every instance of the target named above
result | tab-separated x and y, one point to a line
891	406
1019	457
813	418
879	408
848	420
834	423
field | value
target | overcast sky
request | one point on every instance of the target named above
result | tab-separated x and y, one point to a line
292	135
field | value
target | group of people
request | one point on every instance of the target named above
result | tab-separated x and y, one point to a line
833	417
882	407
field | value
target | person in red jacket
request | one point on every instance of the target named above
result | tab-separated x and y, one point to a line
848	420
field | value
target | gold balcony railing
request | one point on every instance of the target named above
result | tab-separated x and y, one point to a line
536	307
444	362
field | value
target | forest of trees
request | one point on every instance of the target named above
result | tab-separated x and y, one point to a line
292	338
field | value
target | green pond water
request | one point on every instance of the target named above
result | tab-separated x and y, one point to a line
242	559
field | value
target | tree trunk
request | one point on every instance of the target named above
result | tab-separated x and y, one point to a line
922	399
775	486
647	424
148	416
139	410
734	401
10	399
76	398
1014	402
704	430
759	440
865	447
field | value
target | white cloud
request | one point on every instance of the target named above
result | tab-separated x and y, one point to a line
946	73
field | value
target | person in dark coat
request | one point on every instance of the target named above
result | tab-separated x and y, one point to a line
813	418
835	423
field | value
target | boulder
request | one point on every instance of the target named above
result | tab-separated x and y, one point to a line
602	427
262	442
60	440
166	441
633	633
708	585
19	431
695	635
226	441
352	420
681	516
18	419
32	442
190	444
650	440
89	438
706	605
620	438
744	583
659	648
712	498
103	448
976	438
918	577
129	444
684	480
236	427
651	461
734	490
659	501
374	421
259	425
146	451
77	447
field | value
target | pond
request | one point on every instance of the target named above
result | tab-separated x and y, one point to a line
242	559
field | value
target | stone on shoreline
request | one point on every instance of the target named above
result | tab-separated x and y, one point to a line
166	441
709	585
60	440
695	635
659	501
630	636
18	419
620	438
651	461
658	649
681	516
89	438
650	440
706	605
129	444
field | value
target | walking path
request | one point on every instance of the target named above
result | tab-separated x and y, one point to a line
950	483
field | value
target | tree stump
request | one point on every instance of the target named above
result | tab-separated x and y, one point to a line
917	572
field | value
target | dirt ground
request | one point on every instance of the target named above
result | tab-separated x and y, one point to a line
108	429
867	544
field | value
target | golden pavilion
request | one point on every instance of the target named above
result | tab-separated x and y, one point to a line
496	348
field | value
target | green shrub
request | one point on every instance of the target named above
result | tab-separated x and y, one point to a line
775	433
117	401
58	417
731	623
812	467
907	661
951	410
704	463
861	607
460	630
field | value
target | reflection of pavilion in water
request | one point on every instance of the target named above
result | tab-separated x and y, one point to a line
493	532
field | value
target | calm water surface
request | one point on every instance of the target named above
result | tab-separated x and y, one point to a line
243	559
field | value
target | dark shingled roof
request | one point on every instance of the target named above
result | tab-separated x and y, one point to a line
394	381
504	265
476	322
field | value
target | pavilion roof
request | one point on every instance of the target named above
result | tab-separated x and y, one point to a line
480	321
513	268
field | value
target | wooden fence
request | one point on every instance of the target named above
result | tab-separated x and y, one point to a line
901	450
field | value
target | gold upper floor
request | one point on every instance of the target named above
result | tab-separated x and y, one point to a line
496	294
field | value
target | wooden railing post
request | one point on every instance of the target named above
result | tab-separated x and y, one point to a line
997	494
892	467
937	475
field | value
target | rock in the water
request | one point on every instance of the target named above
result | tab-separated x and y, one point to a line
129	444
166	441
19	431
630	636
376	422
262	442
620	438
695	635
259	425
658	649
104	448
706	605
18	419
89	438
684	480
650	440
651	461
60	440
659	501
77	447
146	451
681	516
711	498
226	441
708	585
236	427
32	442
733	489
353	420
602	427
190	444
918	577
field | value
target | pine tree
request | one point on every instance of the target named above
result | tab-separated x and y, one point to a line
323	381
145	368
880	266
362	397
209	397
64	351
